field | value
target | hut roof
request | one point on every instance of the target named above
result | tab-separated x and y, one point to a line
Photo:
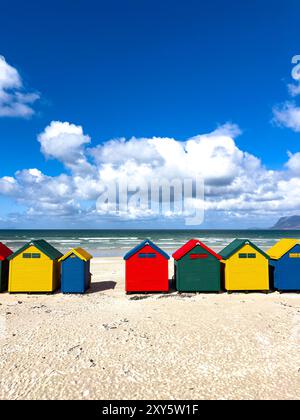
141	245
79	252
281	248
181	252
42	246
5	252
236	245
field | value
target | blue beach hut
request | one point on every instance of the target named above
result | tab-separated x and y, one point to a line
75	274
285	261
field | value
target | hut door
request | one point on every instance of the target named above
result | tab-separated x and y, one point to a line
201	273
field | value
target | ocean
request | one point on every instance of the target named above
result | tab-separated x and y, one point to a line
111	243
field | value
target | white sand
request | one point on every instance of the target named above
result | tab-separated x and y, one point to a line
107	345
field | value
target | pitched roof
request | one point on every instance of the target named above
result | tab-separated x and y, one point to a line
4	252
141	245
181	252
79	252
236	245
281	248
42	246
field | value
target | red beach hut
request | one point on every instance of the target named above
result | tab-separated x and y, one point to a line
146	269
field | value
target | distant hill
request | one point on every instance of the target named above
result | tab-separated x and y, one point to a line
288	223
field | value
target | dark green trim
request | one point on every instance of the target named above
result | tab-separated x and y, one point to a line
43	246
236	245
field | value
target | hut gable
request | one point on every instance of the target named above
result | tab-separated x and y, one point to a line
193	244
43	246
142	245
281	248
82	254
237	245
5	252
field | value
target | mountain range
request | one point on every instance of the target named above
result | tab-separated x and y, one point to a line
287	223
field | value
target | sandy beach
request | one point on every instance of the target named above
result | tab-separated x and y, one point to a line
109	345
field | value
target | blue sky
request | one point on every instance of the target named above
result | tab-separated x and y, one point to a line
143	69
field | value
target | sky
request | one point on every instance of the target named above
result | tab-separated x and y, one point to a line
92	92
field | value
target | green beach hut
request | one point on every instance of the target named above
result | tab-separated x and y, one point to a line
197	268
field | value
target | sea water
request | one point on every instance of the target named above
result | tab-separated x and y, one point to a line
106	243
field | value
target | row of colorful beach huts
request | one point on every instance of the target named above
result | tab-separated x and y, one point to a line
240	266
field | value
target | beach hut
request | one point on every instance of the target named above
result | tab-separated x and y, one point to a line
246	266
5	252
34	268
146	269
197	268
75	271
285	262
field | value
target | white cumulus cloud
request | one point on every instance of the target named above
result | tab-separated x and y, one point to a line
288	115
294	89
15	101
63	141
237	184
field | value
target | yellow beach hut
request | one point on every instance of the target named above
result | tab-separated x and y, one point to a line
246	267
34	268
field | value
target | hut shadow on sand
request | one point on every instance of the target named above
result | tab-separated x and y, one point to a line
101	286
